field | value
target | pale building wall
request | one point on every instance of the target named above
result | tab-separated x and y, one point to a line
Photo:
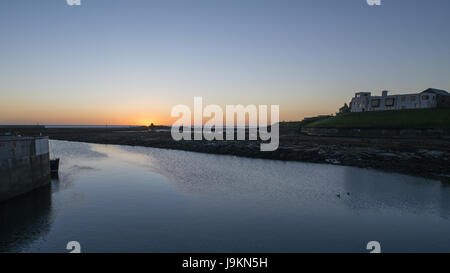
360	103
363	101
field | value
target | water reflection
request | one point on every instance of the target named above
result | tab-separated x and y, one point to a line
371	190
25	219
135	199
359	189
68	175
444	200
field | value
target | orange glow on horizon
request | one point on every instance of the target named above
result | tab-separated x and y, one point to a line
83	119
130	113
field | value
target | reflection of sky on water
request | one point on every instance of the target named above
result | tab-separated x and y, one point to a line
25	219
136	199
292	181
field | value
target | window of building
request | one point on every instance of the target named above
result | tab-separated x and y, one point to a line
425	97
389	102
403	99
413	98
375	103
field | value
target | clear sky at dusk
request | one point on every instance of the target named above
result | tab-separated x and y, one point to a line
130	61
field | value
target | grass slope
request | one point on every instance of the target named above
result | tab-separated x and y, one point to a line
402	119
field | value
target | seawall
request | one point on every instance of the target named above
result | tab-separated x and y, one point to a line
24	165
377	133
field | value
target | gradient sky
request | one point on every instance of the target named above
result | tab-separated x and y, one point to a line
130	61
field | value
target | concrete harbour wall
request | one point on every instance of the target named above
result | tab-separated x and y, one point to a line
24	165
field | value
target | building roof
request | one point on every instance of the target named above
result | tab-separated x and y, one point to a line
436	91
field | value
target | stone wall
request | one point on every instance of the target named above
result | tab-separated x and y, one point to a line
398	133
24	165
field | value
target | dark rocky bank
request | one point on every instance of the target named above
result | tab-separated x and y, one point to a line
423	157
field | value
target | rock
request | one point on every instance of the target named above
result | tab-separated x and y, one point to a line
332	161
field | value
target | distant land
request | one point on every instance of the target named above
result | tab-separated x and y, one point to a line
416	154
91	126
65	126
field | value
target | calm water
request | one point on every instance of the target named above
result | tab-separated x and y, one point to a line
132	199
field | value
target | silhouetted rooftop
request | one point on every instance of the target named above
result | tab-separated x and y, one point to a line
436	91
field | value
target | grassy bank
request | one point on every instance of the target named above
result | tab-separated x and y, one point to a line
403	119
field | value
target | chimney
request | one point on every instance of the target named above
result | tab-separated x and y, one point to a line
384	93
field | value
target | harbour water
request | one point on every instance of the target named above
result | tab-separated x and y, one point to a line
113	198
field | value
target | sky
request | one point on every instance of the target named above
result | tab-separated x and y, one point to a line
130	61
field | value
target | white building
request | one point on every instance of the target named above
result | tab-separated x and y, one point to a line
430	98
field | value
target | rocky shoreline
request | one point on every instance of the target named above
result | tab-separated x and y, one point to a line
416	156
423	157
